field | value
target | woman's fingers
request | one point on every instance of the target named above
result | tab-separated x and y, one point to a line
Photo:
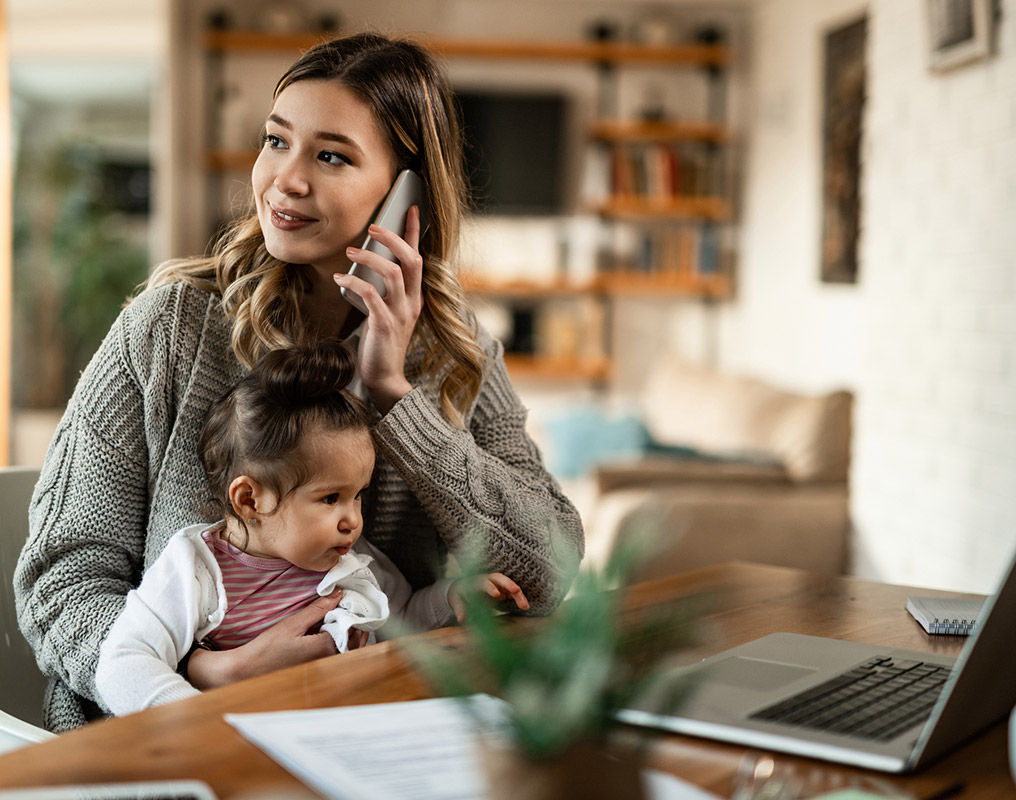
284	644
402	279
310	617
364	289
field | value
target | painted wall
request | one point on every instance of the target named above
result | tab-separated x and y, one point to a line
936	425
928	337
785	325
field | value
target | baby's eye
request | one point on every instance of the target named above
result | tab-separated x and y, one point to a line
331	499
331	157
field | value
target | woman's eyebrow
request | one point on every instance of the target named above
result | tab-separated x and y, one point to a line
341	138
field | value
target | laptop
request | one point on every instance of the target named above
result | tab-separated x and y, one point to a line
804	694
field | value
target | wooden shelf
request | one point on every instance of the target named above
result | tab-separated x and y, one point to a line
261	41
594	52
616	284
538	367
227	160
623	131
713	209
559	287
717	286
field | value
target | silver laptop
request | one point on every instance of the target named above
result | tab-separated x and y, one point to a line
802	694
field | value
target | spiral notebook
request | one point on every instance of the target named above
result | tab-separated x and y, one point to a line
953	616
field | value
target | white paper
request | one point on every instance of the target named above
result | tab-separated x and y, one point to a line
418	750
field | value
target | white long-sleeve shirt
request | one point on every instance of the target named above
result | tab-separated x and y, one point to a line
182	598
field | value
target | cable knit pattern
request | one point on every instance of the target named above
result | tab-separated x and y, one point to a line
122	475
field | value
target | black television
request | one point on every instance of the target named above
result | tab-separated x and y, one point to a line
516	151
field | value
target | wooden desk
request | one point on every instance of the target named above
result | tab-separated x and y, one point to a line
190	739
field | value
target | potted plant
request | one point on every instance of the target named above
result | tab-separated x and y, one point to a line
562	680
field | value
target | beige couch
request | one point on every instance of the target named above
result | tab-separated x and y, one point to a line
766	480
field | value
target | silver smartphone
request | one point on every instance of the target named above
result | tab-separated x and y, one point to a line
406	192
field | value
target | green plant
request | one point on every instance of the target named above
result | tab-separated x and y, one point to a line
564	682
76	259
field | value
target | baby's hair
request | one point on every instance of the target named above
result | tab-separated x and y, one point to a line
258	427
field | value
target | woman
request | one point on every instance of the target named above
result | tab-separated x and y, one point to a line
455	469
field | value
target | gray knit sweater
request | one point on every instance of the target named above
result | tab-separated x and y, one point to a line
122	474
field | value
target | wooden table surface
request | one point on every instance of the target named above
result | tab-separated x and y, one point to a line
190	739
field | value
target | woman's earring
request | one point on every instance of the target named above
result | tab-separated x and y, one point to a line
252	521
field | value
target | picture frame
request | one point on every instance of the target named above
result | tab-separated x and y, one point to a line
959	32
844	93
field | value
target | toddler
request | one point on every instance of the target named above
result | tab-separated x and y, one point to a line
288	457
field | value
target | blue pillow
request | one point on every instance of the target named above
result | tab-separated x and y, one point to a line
585	437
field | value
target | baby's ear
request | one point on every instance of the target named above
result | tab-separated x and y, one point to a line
247	497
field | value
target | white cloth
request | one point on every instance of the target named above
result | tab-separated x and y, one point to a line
363	604
181	599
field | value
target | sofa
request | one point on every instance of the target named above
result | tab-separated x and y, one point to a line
733	468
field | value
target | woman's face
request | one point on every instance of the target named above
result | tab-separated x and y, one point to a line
323	171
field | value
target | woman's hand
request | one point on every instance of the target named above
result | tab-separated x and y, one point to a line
286	643
494	585
392	318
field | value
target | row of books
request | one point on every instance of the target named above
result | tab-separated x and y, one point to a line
663	171
688	250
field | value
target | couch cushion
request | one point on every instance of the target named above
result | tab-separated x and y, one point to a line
735	416
673	470
698	525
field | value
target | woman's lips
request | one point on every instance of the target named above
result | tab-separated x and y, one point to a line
286	220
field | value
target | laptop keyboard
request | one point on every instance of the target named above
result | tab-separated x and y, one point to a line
876	700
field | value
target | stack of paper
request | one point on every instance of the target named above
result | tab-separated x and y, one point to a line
418	750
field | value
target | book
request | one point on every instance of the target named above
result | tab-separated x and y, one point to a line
945	615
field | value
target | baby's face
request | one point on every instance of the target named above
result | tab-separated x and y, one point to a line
321	520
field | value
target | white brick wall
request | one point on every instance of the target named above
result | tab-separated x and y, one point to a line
934	477
929	343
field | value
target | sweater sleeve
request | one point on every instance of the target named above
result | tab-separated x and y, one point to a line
161	618
486	488
88	515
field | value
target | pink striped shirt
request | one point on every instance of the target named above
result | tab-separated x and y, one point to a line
259	591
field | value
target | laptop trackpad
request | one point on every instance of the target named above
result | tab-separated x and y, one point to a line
755	673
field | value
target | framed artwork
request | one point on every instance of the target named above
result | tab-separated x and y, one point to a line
959	31
842	114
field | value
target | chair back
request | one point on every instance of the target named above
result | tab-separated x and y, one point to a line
21	683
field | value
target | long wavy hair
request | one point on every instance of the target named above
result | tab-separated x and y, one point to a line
408	93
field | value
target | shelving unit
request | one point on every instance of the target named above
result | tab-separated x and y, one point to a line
679	221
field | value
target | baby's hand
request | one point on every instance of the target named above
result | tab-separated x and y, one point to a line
494	584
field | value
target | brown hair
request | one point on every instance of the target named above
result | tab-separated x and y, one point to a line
258	427
408	93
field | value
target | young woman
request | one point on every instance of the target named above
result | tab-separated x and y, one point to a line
288	457
455	472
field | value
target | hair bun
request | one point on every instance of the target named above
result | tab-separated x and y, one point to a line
299	374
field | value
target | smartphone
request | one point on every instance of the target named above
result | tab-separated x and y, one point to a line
406	192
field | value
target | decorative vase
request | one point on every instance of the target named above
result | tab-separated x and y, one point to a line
582	772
